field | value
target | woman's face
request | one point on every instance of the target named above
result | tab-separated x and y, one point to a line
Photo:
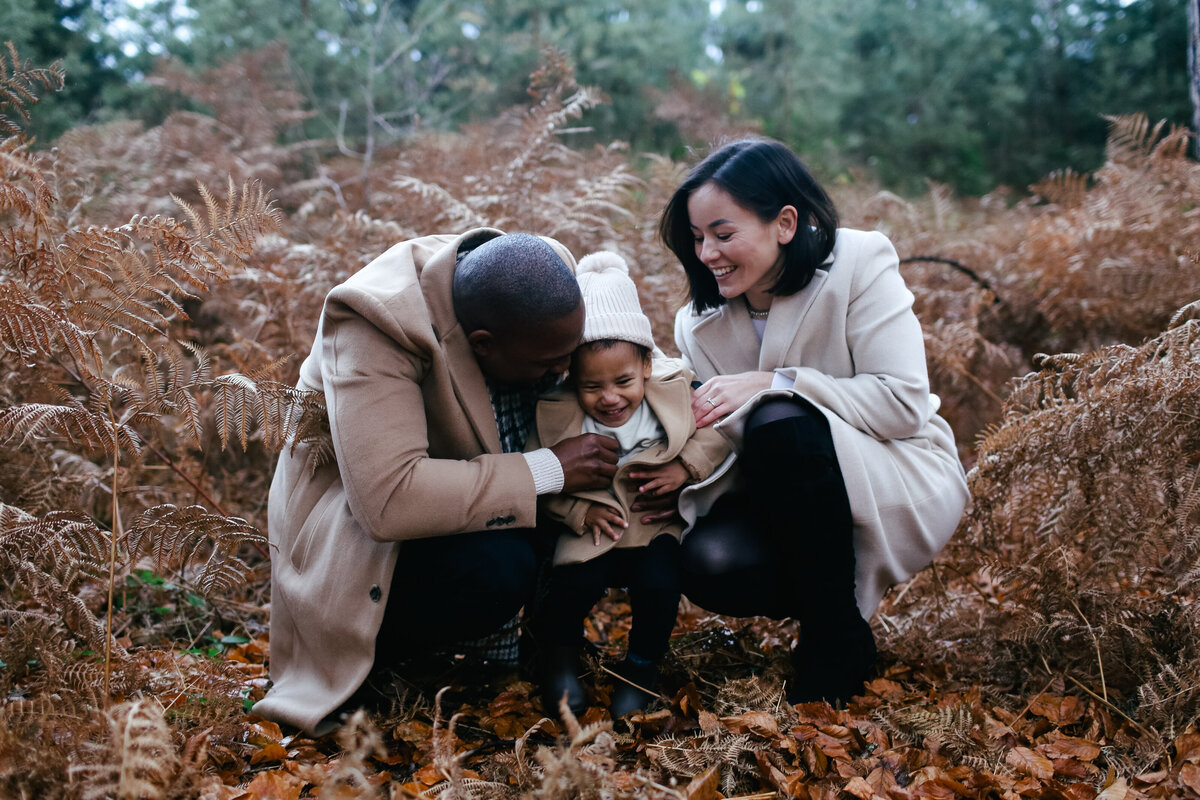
743	253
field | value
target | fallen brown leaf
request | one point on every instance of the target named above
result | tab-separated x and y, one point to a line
705	785
1189	775
1117	790
1031	763
272	752
275	785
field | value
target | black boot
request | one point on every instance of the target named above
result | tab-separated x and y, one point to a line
559	675
628	698
832	664
799	488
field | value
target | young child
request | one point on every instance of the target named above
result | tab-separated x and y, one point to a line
618	387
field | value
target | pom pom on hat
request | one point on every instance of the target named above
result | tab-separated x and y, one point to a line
610	301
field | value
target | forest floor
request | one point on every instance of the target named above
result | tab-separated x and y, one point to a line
457	728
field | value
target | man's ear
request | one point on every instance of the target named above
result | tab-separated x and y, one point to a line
482	341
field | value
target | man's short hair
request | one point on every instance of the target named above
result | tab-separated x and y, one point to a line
512	282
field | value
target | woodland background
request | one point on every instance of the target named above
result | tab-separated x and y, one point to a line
173	210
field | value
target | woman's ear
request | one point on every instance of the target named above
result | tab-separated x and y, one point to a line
786	223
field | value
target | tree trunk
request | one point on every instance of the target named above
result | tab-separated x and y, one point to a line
1193	16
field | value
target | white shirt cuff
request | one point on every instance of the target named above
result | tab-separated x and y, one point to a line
782	381
547	472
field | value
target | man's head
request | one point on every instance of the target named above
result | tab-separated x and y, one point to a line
520	306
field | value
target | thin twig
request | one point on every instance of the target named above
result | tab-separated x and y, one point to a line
199	490
1033	700
1096	644
964	269
1141	728
650	692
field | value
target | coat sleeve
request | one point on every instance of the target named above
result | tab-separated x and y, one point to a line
707	447
377	419
568	510
704	452
888	395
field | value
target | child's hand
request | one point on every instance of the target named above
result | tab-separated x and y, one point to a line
660	480
601	519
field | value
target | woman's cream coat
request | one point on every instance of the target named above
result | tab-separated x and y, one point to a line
705	453
418	455
850	344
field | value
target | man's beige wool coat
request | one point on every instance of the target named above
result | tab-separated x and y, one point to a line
850	344
417	455
704	453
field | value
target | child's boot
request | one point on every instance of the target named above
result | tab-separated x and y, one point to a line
627	697
560	674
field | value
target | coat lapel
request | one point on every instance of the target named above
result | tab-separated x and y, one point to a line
784	323
671	403
559	416
727	340
469	386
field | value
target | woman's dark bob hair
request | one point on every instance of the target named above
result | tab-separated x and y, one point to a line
762	176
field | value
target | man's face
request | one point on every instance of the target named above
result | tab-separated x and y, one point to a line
522	357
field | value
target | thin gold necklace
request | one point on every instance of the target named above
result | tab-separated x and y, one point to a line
756	313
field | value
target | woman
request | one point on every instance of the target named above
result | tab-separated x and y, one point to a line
813	365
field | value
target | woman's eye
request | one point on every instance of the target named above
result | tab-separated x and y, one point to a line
724	237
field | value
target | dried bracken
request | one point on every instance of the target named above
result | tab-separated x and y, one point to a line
159	288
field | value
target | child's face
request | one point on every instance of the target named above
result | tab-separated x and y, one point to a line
610	383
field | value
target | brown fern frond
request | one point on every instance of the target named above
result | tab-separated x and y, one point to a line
733	754
1065	188
360	741
29	328
234	228
195	542
69	422
140	760
19	82
1131	136
457	214
35	197
285	414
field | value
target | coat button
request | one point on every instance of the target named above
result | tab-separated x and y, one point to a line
376	593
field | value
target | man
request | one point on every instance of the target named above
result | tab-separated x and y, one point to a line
430	359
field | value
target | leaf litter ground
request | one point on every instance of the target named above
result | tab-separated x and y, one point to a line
455	729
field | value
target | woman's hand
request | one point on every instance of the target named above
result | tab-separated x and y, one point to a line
723	394
602	520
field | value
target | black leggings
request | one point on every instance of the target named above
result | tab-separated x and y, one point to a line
454	588
650	573
788	529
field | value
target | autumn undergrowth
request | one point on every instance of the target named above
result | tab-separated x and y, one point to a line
159	286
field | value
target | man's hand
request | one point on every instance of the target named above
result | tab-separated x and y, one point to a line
589	461
602	520
658	507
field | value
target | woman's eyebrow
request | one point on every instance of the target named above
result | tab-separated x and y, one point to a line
715	223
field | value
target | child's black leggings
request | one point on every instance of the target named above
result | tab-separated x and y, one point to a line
651	574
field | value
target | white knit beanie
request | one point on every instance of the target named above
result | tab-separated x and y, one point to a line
610	301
